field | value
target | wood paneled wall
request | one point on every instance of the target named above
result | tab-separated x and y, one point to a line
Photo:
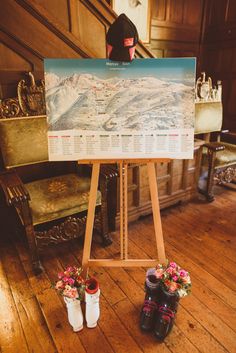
35	29
219	54
31	30
176	28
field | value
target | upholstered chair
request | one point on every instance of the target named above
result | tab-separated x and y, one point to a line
219	158
52	209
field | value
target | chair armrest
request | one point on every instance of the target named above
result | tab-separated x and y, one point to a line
214	146
228	136
109	172
13	188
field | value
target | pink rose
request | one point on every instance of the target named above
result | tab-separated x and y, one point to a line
68	280
159	273
170	270
175	278
60	275
186	279
173	286
70	269
183	273
70	292
173	264
59	285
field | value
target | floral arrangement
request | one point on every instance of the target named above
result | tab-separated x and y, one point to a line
71	284
174	279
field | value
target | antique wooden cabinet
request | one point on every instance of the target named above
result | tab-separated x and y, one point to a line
177	181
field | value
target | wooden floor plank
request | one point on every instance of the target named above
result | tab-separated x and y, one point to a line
110	289
115	331
197	334
16	275
198	254
199	236
90	338
12	339
57	321
216	285
34	326
209	341
39	282
129	314
211	322
214	303
199	244
132	291
209	230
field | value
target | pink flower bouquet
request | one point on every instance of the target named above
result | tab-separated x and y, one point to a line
71	284
174	279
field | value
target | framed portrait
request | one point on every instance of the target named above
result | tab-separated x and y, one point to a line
138	12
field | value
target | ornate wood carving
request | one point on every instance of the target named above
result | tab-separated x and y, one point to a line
10	108
32	97
223	176
71	228
30	100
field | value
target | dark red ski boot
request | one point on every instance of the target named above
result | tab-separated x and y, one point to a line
165	315
148	313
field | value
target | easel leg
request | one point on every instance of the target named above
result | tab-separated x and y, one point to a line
121	211
126	211
90	217
156	212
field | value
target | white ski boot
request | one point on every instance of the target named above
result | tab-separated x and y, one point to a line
75	315
92	311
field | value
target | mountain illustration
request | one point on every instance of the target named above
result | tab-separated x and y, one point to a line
84	101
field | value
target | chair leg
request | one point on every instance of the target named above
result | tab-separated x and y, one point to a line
36	264
210	179
106	240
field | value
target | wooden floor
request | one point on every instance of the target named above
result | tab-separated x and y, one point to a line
198	236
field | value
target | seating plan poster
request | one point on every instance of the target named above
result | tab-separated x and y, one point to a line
101	109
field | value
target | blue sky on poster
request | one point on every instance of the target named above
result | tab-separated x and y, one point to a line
166	68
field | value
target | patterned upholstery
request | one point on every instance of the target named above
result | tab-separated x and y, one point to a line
23	140
208	117
223	158
58	197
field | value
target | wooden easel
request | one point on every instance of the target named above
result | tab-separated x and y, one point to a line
124	260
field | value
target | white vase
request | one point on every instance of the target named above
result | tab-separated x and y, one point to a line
75	315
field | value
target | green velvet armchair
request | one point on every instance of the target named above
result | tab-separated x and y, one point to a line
52	209
219	157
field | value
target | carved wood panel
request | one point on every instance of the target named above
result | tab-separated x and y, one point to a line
219	56
59	9
35	29
231	11
177	181
176	28
218	9
89	34
12	61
